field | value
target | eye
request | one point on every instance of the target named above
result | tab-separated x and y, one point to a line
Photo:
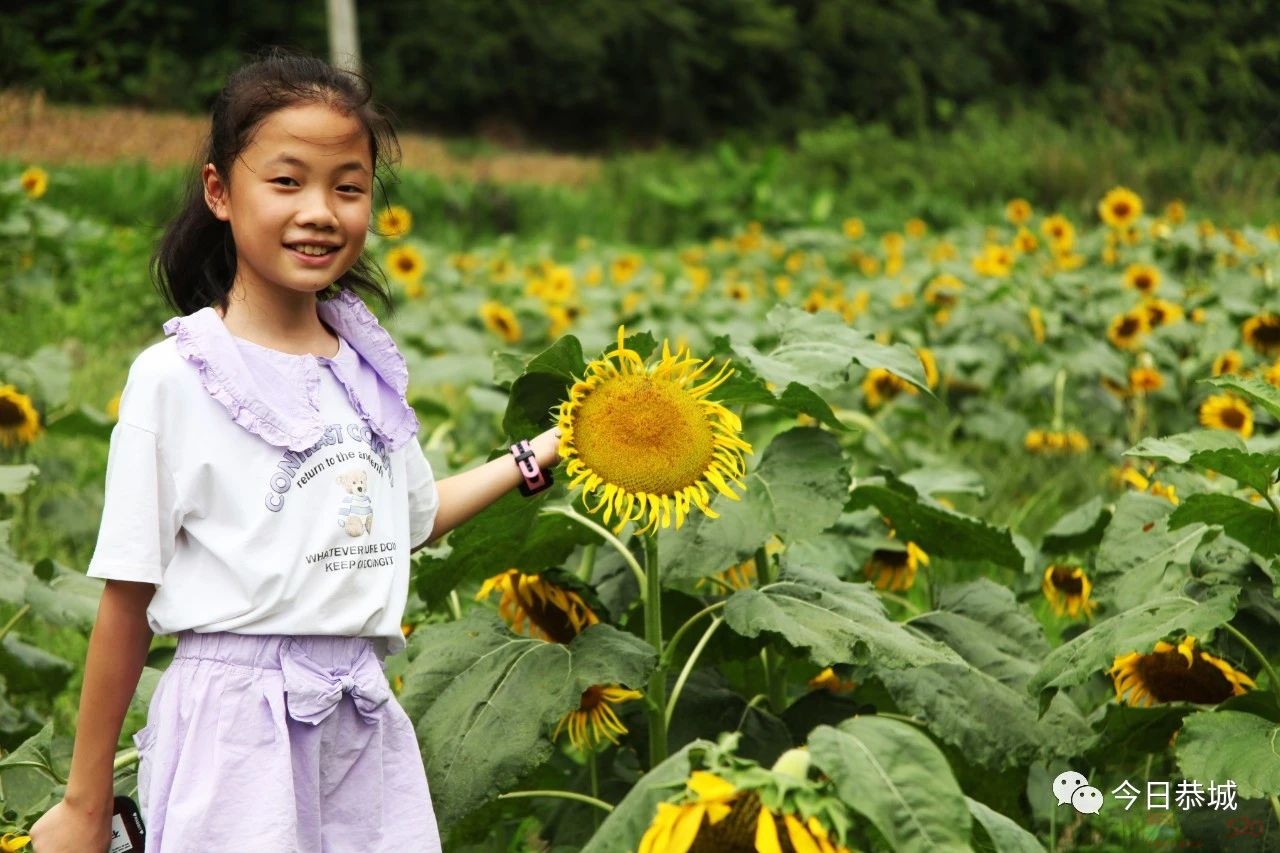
284	181
351	189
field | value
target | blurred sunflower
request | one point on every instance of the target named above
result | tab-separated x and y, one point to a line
562	318
395	222
893	243
930	364
943	290
880	386
895	570
1059	230
501	320
1018	211
916	228
1126	329
624	268
1145	380
1036	319
1272	374
1162	312
1181	673
1262	332
645	440
832	682
1143	278
19	421
853	228
1067	589
1227	412
1120	207
34	181
594	721
1025	242
1176	211
996	261
537	607
405	264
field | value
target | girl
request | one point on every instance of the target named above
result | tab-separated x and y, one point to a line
264	490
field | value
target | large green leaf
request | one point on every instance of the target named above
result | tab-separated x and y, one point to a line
14	479
510	533
1262	393
1080	529
486	700
832	620
938	531
1184	446
1136	629
1235	746
1214	450
1002	834
898	780
818	350
1255	527
538	392
797	491
626	824
1139	555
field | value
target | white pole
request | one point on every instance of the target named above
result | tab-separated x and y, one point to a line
344	35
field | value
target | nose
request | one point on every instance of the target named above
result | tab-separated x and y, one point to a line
315	210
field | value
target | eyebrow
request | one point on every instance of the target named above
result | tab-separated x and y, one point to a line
290	160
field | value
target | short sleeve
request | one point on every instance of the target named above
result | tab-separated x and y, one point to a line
424	500
140	517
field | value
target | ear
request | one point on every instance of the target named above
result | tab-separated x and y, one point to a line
215	192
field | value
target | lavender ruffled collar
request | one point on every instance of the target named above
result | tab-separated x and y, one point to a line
276	396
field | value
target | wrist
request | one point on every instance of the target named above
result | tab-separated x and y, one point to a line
534	478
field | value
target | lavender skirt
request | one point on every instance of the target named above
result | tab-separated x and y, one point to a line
281	744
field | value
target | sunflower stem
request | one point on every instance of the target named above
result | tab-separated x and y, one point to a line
17	617
688	666
588	564
455	605
653	633
1272	681
124	759
1059	397
564	795
669	651
608	537
595	784
868	424
1275	508
1275	804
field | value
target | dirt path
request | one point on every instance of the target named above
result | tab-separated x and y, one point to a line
32	131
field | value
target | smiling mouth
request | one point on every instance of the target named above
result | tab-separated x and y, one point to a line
312	250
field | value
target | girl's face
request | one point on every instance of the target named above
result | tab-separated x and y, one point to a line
298	200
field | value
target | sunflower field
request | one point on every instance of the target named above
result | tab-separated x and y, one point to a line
864	540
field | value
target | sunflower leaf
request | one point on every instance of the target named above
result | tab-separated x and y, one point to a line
1180	448
1079	529
622	830
940	532
14	479
1213	450
1139	555
1216	746
832	620
1002	834
796	492
486	700
538	391
1255	527
896	778
1262	393
1136	629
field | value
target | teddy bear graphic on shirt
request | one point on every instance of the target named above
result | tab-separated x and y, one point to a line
356	514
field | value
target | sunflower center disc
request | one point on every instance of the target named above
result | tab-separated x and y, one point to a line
643	434
10	414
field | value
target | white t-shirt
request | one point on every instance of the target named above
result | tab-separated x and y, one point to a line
240	535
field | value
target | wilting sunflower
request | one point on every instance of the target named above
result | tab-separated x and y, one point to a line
1018	211
537	607
1262	332
717	817
594	721
395	222
1180	673
645	440
405	264
1226	411
19	422
1128	328
1227	362
34	181
1143	278
1120	207
501	320
895	570
1067	588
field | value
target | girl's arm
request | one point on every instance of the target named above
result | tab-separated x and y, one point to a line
463	495
117	651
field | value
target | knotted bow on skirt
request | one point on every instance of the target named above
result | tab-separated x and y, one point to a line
280	744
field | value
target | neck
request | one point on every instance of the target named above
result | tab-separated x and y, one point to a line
280	320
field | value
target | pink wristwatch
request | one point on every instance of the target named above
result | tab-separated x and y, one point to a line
534	479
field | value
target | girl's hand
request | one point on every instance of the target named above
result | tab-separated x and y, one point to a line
67	829
546	447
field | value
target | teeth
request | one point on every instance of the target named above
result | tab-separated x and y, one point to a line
313	250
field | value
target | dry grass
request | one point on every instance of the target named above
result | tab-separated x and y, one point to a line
33	131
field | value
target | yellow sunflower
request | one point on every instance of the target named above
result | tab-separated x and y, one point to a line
34	181
1128	328
19	422
930	364
853	228
916	228
501	320
1226	411
1059	231
1143	278
1161	312
1145	379
624	268
895	570
1176	211
594	721
830	681
646	440
1067	588
538	608
1018	211
395	222
880	386
562	317
405	264
1036	319
1262	332
1120	207
11	842
1272	374
1180	673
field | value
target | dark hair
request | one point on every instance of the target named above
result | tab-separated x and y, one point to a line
195	262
